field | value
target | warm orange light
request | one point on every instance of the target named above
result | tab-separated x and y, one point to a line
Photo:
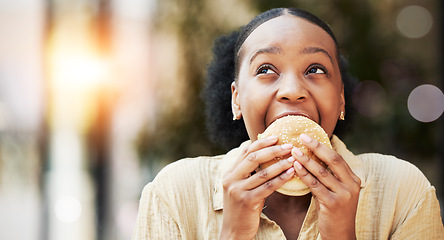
78	77
75	61
81	71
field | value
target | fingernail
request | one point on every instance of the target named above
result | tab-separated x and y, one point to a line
298	152
290	171
291	159
298	165
287	146
305	138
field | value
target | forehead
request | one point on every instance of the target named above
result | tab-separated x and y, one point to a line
291	30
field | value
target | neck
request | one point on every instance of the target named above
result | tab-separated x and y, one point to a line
288	212
283	203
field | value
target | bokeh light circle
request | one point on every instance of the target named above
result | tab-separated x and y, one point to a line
426	103
414	21
68	209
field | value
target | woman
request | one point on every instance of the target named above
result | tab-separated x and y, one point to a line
284	62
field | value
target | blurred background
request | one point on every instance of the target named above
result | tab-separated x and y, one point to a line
97	95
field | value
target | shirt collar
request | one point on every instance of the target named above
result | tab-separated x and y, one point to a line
230	158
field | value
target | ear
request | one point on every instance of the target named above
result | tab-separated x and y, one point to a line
235	102
342	100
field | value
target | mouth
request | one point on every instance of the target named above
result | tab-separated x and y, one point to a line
303	114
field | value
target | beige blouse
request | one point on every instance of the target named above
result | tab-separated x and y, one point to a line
185	201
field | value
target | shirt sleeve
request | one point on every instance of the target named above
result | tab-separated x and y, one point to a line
153	221
423	221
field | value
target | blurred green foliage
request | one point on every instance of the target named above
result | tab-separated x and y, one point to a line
367	37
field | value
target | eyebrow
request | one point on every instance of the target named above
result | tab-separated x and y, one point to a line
272	50
309	50
277	50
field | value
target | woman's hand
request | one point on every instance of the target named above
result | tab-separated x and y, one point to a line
336	193
244	194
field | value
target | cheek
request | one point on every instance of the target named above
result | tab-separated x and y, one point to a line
254	102
253	113
328	106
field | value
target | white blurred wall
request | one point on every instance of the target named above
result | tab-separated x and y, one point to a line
21	101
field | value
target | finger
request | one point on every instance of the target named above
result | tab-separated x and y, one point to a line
334	161
268	173
256	145
272	185
262	143
315	169
316	187
254	159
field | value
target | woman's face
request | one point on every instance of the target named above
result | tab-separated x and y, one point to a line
288	66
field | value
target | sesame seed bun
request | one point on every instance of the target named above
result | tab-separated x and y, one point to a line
288	129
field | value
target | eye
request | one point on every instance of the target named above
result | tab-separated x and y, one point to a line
316	70
266	69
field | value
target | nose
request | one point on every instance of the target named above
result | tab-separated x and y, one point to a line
291	88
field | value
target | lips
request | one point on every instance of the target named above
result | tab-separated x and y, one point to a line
297	113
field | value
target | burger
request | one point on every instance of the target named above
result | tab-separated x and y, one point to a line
288	129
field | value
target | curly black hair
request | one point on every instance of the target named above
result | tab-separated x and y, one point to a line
223	70
217	93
